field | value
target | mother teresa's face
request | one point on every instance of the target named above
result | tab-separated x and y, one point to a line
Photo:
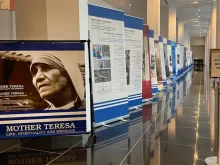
48	80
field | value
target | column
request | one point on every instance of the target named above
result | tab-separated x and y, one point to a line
51	20
153	15
172	23
164	19
213	25
181	30
186	37
218	25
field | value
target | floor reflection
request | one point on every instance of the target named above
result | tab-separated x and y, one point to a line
177	127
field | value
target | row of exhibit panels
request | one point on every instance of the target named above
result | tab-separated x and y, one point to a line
152	63
46	85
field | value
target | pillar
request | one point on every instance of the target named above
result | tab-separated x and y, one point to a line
181	30
153	15
172	23
213	25
51	20
218	25
186	37
164	18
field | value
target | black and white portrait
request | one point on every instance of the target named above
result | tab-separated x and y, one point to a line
51	80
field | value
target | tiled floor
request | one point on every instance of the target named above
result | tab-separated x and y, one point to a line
177	129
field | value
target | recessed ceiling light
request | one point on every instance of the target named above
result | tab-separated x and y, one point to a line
199	15
129	4
198	10
195	2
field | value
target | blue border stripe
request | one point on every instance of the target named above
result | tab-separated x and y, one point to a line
134	23
95	104
111	113
134	103
33	46
160	39
102	12
151	33
108	104
41	117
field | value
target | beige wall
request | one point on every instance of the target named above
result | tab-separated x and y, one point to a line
60	15
198	51
31	22
48	19
164	16
6	25
197	41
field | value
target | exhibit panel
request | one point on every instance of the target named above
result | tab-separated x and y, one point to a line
166	60
110	95
170	61
162	61
182	59
185	62
134	53
153	67
178	51
173	48
158	63
146	78
43	89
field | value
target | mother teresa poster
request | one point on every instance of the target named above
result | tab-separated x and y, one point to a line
42	92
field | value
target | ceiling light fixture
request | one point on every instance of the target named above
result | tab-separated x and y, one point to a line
129	4
198	10
196	2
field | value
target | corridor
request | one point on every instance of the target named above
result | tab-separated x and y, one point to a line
177	128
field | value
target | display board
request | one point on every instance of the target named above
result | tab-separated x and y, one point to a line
134	53
178	58
182	60
146	78
108	64
214	63
170	61
158	63
185	62
162	61
166	60
173	48
153	67
44	90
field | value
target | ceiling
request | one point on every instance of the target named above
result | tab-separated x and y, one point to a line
196	14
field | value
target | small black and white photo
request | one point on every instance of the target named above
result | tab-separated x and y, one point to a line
98	64
103	75
107	64
106	51
127	58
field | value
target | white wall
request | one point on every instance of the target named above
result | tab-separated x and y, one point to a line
197	41
198	51
6	25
